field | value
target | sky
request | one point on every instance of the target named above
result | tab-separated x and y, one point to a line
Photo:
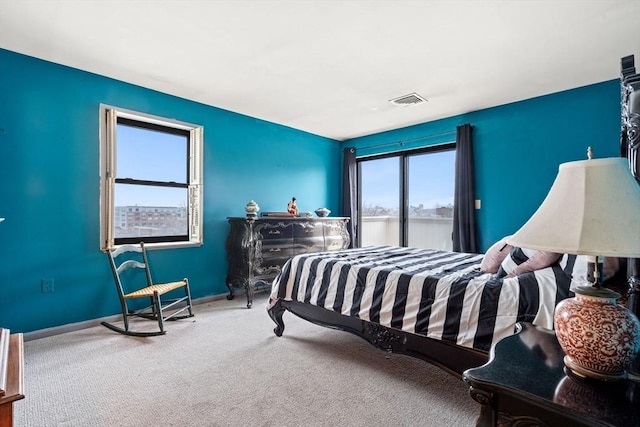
150	155
431	180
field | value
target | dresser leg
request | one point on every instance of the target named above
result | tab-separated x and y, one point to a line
249	290
230	286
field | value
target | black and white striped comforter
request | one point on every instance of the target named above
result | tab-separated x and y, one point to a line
442	295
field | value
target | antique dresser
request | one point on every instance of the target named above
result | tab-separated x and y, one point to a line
257	248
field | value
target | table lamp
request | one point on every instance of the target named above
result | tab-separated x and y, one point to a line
593	209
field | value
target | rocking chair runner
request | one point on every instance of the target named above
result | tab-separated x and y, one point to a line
160	309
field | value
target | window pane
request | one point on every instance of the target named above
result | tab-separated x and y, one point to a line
430	200
142	210
151	155
150	180
380	196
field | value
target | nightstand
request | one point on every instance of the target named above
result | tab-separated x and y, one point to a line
525	383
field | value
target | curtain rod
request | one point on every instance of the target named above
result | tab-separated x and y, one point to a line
405	141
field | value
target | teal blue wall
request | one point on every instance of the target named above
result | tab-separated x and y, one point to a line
518	148
49	182
49	177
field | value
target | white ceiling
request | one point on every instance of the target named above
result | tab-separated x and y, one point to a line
330	67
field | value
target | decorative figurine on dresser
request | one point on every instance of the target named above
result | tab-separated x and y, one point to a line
258	247
292	207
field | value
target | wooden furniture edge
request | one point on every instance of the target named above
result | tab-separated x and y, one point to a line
4	357
15	379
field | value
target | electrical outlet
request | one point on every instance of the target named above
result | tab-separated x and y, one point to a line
47	285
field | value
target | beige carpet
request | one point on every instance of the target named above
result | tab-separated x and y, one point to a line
225	367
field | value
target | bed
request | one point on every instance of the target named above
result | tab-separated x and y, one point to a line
436	305
443	307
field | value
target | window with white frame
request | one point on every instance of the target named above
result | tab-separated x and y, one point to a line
150	180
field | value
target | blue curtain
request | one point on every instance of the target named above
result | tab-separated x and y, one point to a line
464	215
350	193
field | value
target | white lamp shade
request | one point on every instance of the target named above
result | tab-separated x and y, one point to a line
593	208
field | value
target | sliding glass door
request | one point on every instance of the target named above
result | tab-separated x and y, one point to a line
379	204
430	191
406	199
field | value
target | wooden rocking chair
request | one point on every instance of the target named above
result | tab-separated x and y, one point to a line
160	308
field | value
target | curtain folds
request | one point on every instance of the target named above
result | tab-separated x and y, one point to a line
350	193
464	218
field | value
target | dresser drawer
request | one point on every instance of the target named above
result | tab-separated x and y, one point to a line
335	228
336	243
274	231
308	244
307	229
271	264
277	248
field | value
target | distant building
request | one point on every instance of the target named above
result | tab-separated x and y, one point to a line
414	211
444	212
132	221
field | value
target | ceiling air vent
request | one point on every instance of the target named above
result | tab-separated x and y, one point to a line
411	99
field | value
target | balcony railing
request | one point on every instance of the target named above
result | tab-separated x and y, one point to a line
430	233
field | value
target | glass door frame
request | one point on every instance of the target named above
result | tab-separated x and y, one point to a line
403	159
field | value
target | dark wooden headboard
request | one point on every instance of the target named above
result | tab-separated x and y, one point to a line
630	148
